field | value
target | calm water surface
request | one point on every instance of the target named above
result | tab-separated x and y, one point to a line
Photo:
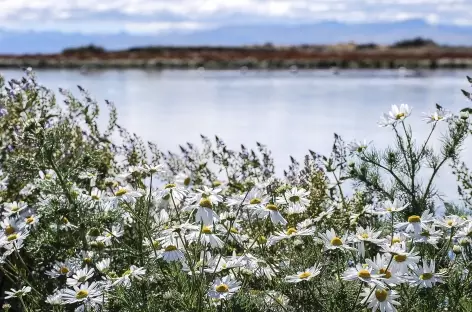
289	112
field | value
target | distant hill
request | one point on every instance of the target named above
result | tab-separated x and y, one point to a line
14	42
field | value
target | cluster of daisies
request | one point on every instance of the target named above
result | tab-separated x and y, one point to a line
213	233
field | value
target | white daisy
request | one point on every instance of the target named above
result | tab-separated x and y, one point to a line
425	276
438	115
296	199
358	146
205	213
306	275
331	241
13	293
449	222
224	288
380	266
125	193
80	276
363	273
380	299
290	233
416	223
271	211
366	235
14	208
90	295
61	269
389	207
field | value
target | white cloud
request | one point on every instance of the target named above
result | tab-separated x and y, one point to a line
163	15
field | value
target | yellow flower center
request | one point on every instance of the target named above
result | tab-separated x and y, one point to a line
294	198
29	220
365	235
170	248
386	273
389	209
450	222
222	288
414	219
216	183
364	274
12	237
121	192
400	115
9	230
187	181
170	185
255	201
336	241
88	260
400	258
81	294
426	276
95	197
234	230
65	220
304	275
63	270
291	231
272	207
206	230
381	295
396	240
206	203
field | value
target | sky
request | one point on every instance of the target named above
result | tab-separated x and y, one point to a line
157	16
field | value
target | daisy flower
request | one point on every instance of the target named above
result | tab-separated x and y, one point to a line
103	265
13	208
389	207
363	273
254	199
116	232
217	264
133	273
331	241
173	190
13	239
380	266
296	199
306	275
206	192
399	113
13	293
429	235
88	294
80	276
125	193
358	146
380	299
270	211
61	269
438	115
416	223
449	222
366	235
402	259
425	277
207	237
172	253
224	288
205	213
290	233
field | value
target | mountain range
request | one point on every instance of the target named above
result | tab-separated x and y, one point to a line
30	42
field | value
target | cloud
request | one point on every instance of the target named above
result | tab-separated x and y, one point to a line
154	16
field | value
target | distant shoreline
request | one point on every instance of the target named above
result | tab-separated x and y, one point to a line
295	58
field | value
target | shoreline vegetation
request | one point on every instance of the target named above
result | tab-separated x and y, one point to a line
416	53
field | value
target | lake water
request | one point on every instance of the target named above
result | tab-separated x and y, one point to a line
289	112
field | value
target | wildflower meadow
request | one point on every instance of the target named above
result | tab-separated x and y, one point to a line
96	219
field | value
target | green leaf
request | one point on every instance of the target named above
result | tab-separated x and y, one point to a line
467	94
